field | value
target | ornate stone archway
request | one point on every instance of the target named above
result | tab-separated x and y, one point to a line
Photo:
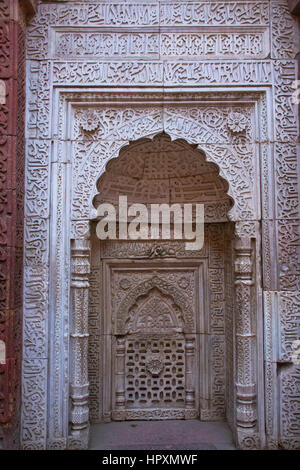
246	240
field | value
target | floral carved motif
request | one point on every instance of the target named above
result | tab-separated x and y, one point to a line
154	364
236	122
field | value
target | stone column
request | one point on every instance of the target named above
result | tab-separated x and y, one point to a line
189	378
245	332
80	252
119	411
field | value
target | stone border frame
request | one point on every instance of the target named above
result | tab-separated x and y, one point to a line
58	374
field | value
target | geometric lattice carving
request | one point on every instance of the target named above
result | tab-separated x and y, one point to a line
155	372
154	352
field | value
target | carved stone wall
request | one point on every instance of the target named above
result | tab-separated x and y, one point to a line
103	74
12	161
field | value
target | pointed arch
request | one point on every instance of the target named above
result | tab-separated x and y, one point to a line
159	169
143	289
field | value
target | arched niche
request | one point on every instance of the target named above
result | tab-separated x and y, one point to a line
165	171
143	170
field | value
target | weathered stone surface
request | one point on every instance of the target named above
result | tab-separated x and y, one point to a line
12	162
105	81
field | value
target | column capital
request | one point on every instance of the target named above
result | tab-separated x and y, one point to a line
246	229
80	262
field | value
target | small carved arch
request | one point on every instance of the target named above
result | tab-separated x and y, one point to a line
142	290
154	312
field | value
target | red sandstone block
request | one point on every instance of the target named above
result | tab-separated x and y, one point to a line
20	229
8	49
4	297
4	165
9	220
4	232
7	275
12	105
17	334
7	334
7	387
8	111
11	276
7	163
4	270
9	9
3	204
4	392
5	9
16	284
11	146
2	324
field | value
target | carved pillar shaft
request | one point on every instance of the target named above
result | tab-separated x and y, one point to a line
79	340
245	334
189	378
120	374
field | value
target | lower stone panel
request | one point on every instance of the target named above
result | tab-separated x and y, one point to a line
154	414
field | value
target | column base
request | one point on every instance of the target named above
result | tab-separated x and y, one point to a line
79	440
247	439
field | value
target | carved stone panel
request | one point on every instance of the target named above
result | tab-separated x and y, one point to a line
160	327
154	343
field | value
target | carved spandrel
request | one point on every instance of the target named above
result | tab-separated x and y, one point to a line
239	172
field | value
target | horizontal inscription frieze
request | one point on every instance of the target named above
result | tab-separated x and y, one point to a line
162	73
145	14
156	45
